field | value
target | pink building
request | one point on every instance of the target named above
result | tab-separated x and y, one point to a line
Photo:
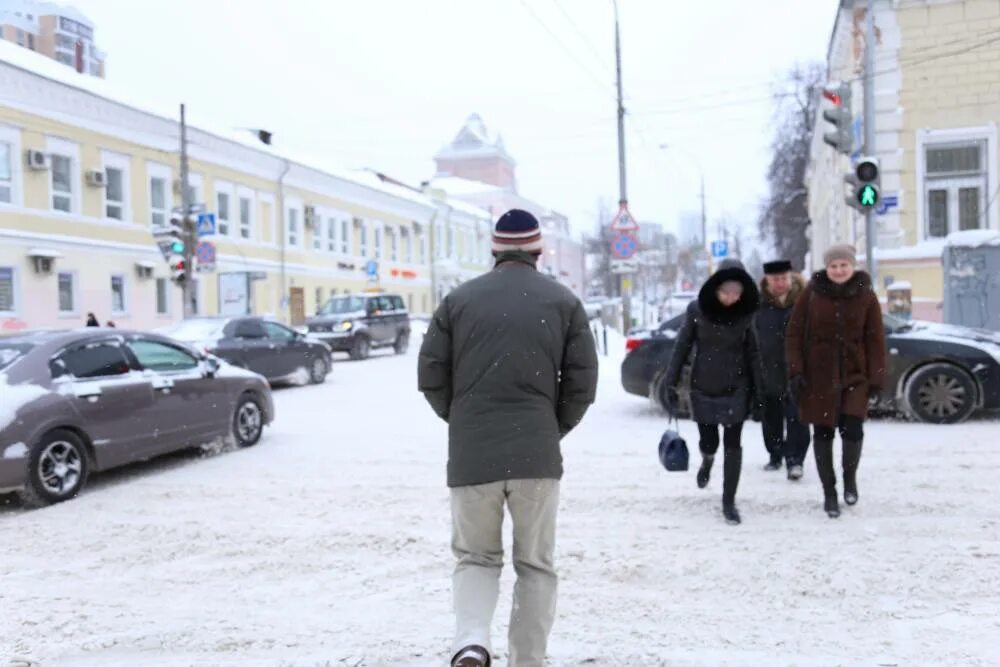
475	167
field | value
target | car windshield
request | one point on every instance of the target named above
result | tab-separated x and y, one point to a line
894	324
11	352
342	305
192	330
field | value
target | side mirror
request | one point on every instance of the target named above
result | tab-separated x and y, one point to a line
212	366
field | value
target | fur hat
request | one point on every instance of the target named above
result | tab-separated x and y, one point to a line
842	251
777	266
731	263
517	230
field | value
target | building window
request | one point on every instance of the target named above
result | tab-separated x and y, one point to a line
114	193
345	237
245	221
222	212
62	183
20	37
158	213
67	301
407	245
423	248
393	245
364	236
162	296
7	303
64	58
331	235
293	227
6	174
118	302
955	187
319	232
450	241
31	41
378	242
319	298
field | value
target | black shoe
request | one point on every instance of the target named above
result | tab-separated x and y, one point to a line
850	496
705	471
773	464
852	457
471	656
831	506
795	472
731	513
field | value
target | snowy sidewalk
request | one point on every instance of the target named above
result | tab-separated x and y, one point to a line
327	544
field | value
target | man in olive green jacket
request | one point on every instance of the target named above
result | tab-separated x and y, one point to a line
510	363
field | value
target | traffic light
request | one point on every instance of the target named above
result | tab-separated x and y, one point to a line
170	238
842	136
864	180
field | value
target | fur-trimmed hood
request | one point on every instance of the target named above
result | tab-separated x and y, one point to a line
709	304
858	283
767	299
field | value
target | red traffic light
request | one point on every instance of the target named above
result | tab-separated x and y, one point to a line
179	265
833	96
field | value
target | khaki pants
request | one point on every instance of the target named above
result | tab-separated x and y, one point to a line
477	519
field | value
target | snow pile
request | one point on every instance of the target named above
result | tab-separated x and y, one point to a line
973	238
328	544
13	397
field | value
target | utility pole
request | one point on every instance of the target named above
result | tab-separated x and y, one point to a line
623	193
869	124
187	285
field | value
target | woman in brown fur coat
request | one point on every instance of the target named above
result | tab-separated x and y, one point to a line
835	348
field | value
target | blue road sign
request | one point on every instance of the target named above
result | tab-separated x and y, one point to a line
720	249
205	252
887	202
206	224
624	246
371	268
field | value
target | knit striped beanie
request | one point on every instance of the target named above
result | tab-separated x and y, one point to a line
517	230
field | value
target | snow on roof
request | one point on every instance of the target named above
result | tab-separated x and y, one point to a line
42	66
924	250
900	285
470	209
454	185
973	238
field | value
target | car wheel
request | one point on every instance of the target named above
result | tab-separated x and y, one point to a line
318	370
58	466
940	394
248	421
361	348
402	343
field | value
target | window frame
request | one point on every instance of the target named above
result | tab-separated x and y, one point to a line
14	292
989	181
156	171
166	296
362	237
12	137
124	284
74	301
297	235
250	226
227	190
345	236
70	151
75	347
122	163
176	348
331	242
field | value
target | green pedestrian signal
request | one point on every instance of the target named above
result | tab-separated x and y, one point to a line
177	247
868	195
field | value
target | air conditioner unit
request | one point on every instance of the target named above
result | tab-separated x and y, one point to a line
309	214
37	160
97	178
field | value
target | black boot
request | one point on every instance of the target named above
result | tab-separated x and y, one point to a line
705	471
732	466
852	457
774	463
823	450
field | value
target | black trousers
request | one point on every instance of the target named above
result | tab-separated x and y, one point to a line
784	435
708	443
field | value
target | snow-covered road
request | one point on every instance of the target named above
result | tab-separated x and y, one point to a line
327	544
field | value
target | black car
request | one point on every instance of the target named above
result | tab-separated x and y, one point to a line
358	323
936	373
258	344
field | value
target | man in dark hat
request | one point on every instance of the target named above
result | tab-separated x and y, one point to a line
509	362
785	437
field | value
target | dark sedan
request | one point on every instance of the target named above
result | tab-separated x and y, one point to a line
77	402
259	344
936	373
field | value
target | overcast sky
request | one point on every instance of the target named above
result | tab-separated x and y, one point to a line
386	83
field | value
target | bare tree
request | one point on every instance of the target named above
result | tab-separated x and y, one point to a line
599	249
784	213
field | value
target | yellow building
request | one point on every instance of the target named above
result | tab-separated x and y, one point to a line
937	90
84	177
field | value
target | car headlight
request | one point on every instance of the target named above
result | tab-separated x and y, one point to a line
345	326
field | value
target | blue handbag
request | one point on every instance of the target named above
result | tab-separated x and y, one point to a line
673	450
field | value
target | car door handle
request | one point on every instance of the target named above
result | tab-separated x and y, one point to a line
87	392
272	346
162	384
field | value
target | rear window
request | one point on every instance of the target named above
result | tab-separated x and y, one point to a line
196	330
95	360
11	352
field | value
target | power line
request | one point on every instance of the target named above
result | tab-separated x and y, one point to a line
597	79
590	45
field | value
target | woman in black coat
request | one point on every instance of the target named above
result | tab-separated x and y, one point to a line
725	372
